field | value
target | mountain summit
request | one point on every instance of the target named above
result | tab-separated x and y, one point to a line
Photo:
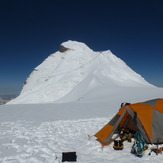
75	71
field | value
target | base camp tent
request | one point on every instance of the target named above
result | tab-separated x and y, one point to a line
146	117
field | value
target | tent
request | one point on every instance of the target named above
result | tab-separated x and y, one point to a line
145	117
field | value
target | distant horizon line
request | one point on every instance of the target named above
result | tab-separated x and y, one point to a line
9	95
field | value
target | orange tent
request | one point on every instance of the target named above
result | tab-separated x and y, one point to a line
146	117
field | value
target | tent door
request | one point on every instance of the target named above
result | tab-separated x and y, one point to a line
130	124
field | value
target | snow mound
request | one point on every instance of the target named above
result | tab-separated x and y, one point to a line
74	72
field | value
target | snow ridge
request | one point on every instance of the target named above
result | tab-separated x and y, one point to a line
73	72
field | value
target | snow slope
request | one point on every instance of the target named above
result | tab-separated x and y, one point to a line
74	68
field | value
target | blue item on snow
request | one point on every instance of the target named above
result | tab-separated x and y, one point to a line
138	146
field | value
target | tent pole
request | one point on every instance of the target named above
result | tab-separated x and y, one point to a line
157	147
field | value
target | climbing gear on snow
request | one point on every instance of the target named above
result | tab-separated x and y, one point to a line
118	145
139	145
156	150
121	146
145	147
69	156
115	146
125	134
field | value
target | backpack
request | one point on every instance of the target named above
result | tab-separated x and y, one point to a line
139	145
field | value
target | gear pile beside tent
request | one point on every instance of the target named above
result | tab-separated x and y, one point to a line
144	119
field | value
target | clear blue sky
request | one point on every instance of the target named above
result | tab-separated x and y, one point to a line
31	30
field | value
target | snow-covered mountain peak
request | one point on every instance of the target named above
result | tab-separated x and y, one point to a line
74	45
74	72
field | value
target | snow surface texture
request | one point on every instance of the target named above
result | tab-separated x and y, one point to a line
74	72
33	133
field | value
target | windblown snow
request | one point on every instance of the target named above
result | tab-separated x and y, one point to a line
74	92
73	68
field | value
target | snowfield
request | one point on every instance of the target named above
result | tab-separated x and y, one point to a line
32	142
39	133
71	95
24	141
